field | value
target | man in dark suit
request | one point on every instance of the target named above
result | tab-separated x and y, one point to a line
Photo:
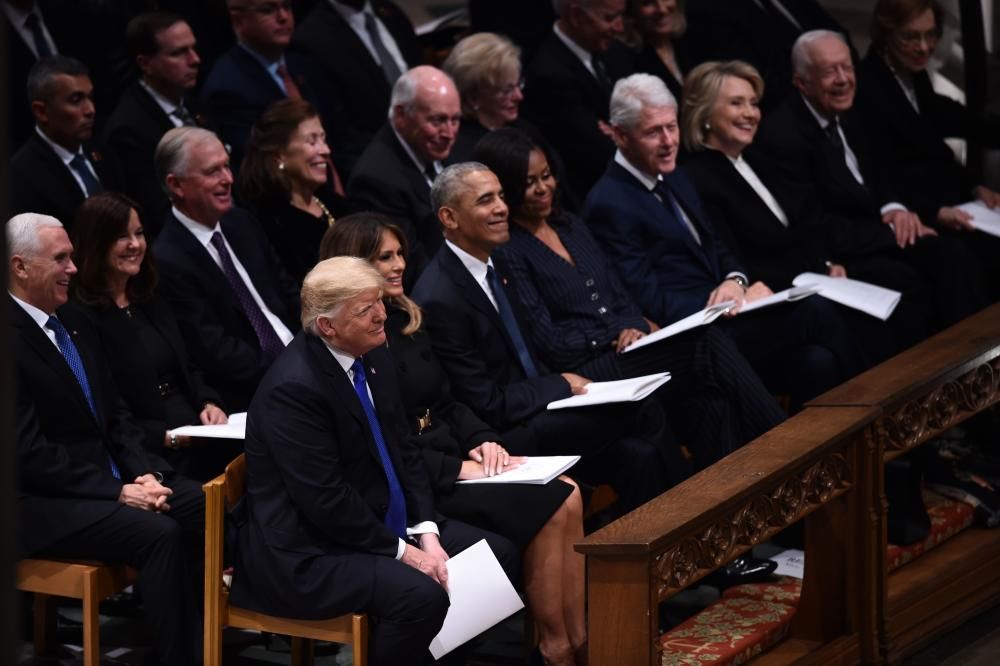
814	142
362	47
395	173
568	85
335	489
259	70
87	487
53	172
163	47
234	303
27	40
649	216
476	332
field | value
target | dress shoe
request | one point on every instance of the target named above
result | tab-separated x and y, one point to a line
742	570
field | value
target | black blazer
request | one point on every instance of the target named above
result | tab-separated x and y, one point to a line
385	179
133	370
647	61
316	485
41	183
923	168
565	101
65	479
215	329
472	344
130	135
349	69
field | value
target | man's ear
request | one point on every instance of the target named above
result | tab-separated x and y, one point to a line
18	267
799	82
142	62
618	135
447	217
325	327
173	185
40	110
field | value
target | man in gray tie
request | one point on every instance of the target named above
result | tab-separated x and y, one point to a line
88	489
53	171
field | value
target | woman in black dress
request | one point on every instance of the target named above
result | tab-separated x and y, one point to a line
144	348
288	181
654	29
544	521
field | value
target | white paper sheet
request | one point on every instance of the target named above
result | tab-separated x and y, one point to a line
700	318
535	470
235	429
868	298
622	390
790	563
784	296
481	596
984	218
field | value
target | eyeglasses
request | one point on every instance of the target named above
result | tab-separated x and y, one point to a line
509	89
911	38
267	8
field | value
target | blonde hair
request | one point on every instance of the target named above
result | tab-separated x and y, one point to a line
331	283
701	92
479	62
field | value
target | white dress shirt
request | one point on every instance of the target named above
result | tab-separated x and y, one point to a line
345	361
420	164
67	157
583	54
477	269
168	107
749	175
203	235
356	20
17	19
39	318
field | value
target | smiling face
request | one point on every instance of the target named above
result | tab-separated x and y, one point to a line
173	69
655	18
828	82
430	125
390	262
500	105
477	220
126	253
651	145
67	114
358	325
204	191
734	118
911	46
42	278
540	189
596	26
306	157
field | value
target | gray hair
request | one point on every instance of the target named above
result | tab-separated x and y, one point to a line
635	93
560	7
802	49
22	233
39	83
450	183
331	283
172	151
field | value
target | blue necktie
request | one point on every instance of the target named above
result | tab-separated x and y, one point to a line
395	517
670	201
72	356
90	182
34	25
510	323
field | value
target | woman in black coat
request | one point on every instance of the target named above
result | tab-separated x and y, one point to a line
139	335
543	520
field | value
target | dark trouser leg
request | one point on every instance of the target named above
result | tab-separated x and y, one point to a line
156	545
954	274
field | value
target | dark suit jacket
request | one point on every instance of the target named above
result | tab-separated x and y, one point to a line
349	68
41	183
668	273
214	326
472	344
316	485
565	101
130	135
647	61
923	167
386	179
134	372
65	479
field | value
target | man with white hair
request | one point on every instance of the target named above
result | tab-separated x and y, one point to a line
815	143
235	304
568	84
394	174
651	221
88	489
339	515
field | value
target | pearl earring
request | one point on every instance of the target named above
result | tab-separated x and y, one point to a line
281	166
707	127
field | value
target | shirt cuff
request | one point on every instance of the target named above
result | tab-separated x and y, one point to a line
400	549
426	527
891	206
733	274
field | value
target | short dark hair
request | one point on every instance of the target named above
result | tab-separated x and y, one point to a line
39	85
506	151
141	32
100	221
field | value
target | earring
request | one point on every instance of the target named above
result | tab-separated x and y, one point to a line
707	127
281	166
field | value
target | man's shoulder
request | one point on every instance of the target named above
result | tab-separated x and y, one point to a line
382	162
436	284
32	152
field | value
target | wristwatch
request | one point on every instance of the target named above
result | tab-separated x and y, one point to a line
740	280
173	444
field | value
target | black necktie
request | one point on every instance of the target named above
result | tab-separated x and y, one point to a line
82	169
430	172
510	323
833	133
389	67
34	25
601	72
183	115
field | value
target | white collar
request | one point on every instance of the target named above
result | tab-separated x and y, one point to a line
474	265
161	101
40	317
820	118
18	17
647	181
583	54
421	166
201	232
65	155
353	16
344	359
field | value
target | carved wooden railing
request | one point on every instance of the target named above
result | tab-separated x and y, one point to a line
824	465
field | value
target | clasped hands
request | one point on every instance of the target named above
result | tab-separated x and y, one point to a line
428	559
731	290
145	493
488	459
